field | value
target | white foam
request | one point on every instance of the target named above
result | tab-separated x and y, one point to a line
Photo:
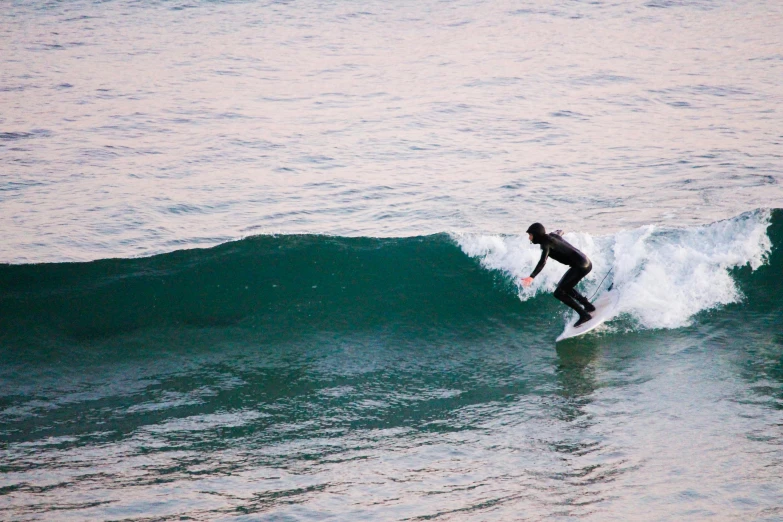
664	276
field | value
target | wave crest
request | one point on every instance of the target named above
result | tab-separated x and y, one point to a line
664	276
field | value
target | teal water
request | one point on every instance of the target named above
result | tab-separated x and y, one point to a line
260	260
312	377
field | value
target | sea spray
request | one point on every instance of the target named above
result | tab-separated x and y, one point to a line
664	276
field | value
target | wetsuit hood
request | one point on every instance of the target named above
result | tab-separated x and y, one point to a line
538	231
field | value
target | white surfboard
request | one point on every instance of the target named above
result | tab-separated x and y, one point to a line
605	307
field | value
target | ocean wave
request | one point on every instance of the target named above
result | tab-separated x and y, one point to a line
270	288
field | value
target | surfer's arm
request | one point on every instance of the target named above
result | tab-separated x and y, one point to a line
541	262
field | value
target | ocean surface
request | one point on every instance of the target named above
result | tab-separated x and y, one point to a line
261	260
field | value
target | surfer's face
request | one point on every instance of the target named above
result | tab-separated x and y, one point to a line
530	237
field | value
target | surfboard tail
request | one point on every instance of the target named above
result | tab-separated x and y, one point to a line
605	307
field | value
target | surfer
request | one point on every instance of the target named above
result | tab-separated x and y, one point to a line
554	246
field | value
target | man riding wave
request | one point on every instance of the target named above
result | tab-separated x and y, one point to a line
554	246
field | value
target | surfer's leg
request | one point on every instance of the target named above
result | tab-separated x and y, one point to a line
582	272
569	301
565	287
585	302
565	290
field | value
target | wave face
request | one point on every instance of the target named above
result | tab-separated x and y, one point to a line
273	288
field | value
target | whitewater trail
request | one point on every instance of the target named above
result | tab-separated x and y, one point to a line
663	276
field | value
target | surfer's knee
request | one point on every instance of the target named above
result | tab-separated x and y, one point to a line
559	293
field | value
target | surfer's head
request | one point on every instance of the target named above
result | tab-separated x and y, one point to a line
537	232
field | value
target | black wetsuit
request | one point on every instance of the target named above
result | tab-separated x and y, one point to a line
554	246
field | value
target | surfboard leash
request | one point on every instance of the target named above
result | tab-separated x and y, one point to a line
602	282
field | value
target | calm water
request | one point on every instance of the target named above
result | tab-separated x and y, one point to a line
297	234
137	127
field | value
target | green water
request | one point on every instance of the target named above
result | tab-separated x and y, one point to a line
308	377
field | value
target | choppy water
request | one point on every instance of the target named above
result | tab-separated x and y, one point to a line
353	345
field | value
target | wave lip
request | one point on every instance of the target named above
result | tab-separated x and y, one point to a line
664	276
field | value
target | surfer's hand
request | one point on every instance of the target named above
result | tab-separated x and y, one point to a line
527	281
